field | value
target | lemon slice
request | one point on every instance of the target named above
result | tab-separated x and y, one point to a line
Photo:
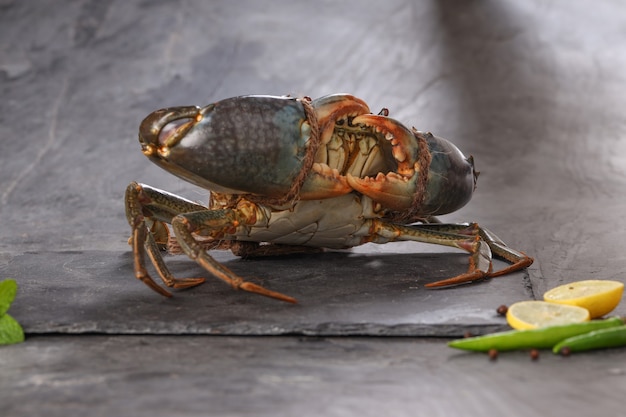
598	296
533	314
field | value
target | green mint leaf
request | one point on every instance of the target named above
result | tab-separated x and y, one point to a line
10	331
8	289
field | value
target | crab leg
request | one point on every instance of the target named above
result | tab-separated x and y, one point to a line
518	260
218	222
480	243
146	205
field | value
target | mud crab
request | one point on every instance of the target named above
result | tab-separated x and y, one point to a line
290	175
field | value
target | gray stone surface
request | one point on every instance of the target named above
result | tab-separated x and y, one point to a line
533	90
287	376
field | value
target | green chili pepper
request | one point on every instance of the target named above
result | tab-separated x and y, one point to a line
541	338
597	339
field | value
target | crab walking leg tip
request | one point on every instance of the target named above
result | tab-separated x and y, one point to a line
517	266
181	283
153	285
257	289
460	279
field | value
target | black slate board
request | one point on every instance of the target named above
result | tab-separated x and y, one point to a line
338	293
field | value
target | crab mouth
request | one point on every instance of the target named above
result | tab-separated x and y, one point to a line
372	155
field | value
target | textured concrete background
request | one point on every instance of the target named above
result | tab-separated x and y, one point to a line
534	91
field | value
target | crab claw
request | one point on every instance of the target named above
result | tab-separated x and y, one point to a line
324	182
334	107
251	144
394	190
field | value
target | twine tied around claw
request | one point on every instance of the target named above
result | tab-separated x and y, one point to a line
313	145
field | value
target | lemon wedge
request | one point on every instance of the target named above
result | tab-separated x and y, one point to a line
598	296
533	314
